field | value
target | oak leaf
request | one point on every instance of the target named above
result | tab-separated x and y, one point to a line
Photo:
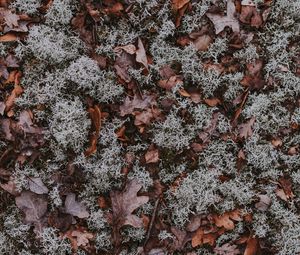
34	207
220	21
37	186
74	207
227	249
245	130
124	203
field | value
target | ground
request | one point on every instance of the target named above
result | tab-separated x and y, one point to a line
150	127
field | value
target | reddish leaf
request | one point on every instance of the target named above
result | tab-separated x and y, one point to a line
137	103
252	247
178	4
264	203
152	155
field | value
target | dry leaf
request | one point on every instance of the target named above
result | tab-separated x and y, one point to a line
75	208
252	247
212	101
178	4
136	103
264	203
10	19
245	130
220	22
141	56
227	249
11	99
250	15
124	203
37	186
286	185
202	42
95	115
34	207
171	82
82	237
130	49
9	37
152	156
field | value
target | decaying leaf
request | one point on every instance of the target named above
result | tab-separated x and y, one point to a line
220	22
152	155
178	4
124	203
129	106
227	249
95	115
37	186
141	56
264	203
34	207
75	208
202	42
227	219
252	247
171	82
245	130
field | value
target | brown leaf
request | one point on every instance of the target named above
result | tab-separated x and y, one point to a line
202	42
171	82
141	56
75	208
227	249
181	238
124	203
129	48
95	115
245	130
82	238
130	106
10	187
286	185
152	156
250	15
9	37
252	247
220	21
178	4
212	101
123	62
12	97
10	19
37	186
264	203
34	207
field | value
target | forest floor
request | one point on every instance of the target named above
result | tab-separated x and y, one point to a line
150	127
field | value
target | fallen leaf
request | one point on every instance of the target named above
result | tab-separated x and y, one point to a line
34	207
152	156
250	15
12	97
227	249
220	21
83	238
10	187
123	62
37	186
9	37
171	82
141	56
180	240
178	4
252	247
124	203
212	101
264	203
286	185
245	130
130	49
130	106
10	18
95	115
200	238
202	42
75	208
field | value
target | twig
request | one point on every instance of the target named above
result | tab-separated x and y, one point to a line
152	221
